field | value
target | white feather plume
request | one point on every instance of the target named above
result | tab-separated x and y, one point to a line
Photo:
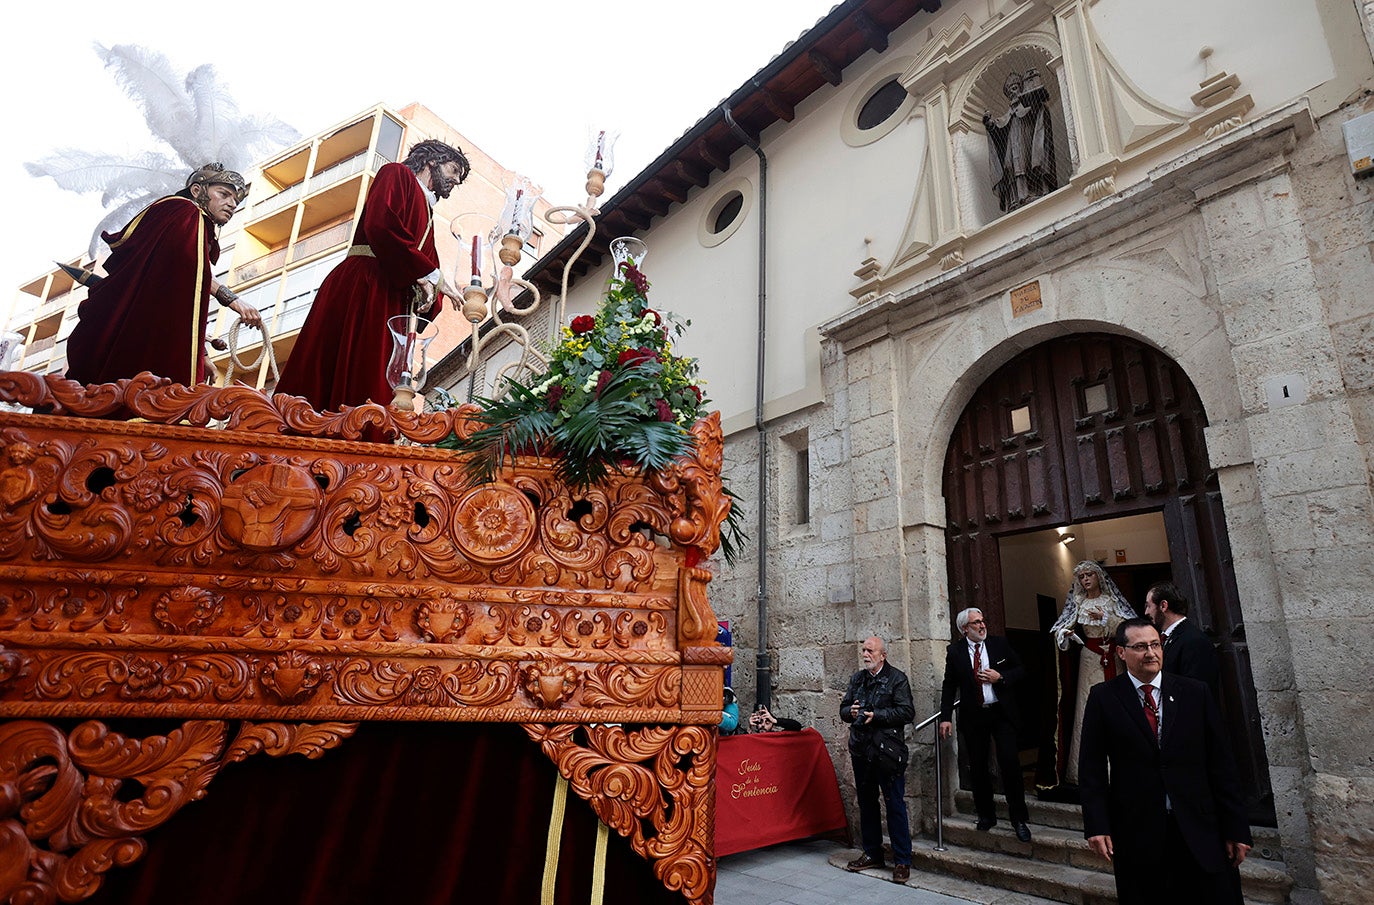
194	115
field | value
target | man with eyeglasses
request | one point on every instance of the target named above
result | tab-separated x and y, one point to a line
982	669
1161	800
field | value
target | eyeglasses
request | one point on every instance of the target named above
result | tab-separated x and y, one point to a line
975	622
1142	646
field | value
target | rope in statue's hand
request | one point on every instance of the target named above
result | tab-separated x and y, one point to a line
236	364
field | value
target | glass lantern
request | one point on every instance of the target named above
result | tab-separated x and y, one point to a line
409	366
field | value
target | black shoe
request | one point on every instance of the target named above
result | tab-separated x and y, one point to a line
986	823
863	862
1022	831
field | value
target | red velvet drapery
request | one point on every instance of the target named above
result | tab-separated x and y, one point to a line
413	813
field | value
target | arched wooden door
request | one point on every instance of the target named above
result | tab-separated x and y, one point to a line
1089	427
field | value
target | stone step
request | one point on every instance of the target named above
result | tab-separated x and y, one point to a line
1057	882
1046	813
1262	880
1268	845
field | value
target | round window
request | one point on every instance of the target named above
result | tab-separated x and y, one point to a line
727	211
881	105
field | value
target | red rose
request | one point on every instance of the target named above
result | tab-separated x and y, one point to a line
696	390
583	323
635	356
602	379
665	411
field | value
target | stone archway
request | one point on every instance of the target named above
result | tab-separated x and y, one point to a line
1091	426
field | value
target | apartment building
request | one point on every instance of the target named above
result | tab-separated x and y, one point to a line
294	228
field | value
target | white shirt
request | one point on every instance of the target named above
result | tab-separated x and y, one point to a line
1159	710
989	696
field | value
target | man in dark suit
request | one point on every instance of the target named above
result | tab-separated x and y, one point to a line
1187	650
982	669
1160	796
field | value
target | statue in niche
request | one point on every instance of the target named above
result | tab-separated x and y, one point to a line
1021	143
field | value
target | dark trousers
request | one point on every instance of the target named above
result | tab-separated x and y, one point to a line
868	781
980	727
1178	880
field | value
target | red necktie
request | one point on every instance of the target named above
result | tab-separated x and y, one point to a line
1151	714
977	660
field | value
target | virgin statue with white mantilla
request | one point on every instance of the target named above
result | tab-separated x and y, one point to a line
1084	634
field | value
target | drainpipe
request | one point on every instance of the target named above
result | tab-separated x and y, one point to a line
764	670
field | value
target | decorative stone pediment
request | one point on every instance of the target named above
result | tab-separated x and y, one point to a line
1103	123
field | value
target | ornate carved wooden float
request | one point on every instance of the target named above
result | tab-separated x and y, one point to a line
272	583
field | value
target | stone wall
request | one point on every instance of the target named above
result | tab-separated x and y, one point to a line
1247	261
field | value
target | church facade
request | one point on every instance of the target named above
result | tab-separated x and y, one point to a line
1044	281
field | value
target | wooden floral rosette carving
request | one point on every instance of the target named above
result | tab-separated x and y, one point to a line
282	573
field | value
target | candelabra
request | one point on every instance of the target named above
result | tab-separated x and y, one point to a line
504	244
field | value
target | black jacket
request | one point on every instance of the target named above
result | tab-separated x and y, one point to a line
999	655
888	695
1124	774
1189	652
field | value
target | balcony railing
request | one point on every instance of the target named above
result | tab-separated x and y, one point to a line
53	305
274	203
258	266
345	168
328	238
333	175
40	345
310	245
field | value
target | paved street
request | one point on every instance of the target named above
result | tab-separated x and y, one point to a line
811	873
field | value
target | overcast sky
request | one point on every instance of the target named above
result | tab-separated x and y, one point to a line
522	81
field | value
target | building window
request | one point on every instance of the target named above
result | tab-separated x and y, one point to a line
881	105
878	105
1020	420
389	139
1096	399
725	212
795	472
533	243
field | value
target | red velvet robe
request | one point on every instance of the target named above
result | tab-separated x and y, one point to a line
341	354
140	317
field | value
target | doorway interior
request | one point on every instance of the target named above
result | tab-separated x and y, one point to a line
1037	571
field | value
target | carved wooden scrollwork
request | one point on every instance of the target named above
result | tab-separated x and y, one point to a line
283	572
653	785
63	820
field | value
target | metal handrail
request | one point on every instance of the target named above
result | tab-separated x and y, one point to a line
939	780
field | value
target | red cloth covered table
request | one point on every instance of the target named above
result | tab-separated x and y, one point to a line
772	787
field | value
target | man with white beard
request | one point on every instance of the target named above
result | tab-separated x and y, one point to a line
981	669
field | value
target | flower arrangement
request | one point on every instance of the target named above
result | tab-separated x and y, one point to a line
614	396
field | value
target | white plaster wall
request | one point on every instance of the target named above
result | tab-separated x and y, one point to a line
1278	48
825	198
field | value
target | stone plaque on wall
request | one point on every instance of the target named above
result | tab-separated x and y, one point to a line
1025	299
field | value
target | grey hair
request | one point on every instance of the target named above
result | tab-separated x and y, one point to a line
961	621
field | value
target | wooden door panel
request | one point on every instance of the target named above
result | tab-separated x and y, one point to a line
1116	429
